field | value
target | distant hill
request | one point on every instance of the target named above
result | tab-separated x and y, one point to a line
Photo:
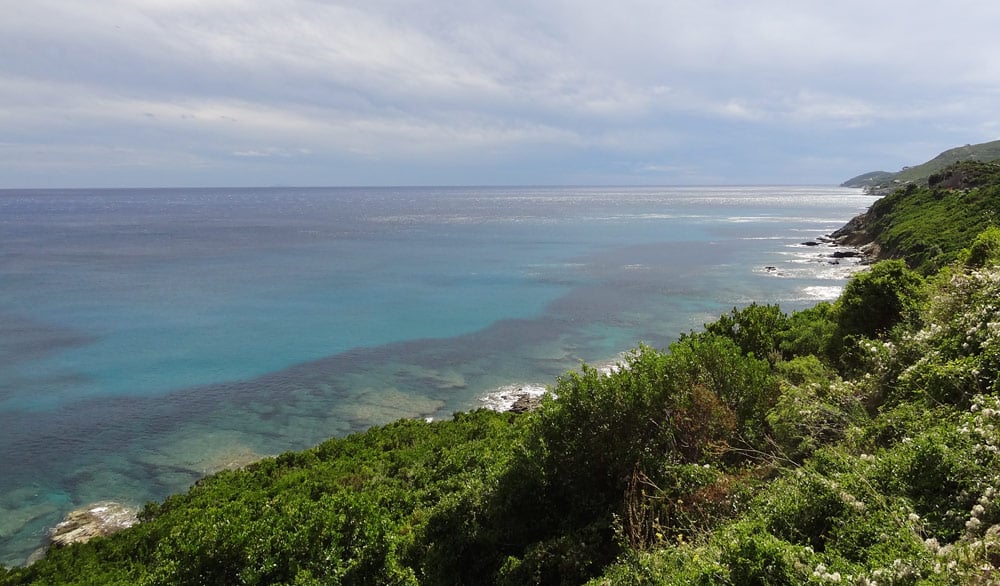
886	180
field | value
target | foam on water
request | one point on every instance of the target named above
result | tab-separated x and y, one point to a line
822	293
504	398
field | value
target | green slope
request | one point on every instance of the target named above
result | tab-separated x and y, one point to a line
988	151
930	225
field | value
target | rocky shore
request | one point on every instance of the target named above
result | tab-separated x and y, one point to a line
515	398
95	520
856	234
83	524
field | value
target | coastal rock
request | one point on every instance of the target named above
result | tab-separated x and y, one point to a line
857	235
854	233
95	520
515	398
526	402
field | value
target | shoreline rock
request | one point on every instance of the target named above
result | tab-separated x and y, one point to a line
514	398
526	402
94	520
855	234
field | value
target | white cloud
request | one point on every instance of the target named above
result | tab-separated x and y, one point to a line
400	80
809	107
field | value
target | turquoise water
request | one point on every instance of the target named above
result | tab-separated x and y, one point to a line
148	337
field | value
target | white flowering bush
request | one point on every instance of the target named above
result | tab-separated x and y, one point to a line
814	409
957	353
889	475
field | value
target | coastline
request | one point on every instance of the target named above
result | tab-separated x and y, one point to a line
850	249
444	379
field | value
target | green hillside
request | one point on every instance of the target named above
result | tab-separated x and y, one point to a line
855	442
882	180
930	225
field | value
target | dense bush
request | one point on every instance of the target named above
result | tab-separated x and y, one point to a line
756	329
345	512
876	300
815	408
810	332
985	249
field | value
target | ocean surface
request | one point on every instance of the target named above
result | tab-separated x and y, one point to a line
151	336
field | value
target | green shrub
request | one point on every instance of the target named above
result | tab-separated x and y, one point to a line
755	329
809	332
804	508
602	426
744	383
755	557
814	409
670	565
985	249
876	300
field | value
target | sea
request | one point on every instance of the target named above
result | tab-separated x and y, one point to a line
149	337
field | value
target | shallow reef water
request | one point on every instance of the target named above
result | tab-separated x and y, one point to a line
149	337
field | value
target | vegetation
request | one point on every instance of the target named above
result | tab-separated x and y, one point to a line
919	175
931	226
855	442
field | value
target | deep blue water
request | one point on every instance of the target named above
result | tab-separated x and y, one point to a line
148	337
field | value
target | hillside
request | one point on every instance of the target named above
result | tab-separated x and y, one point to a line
854	442
919	174
929	225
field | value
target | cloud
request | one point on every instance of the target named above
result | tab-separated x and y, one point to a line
406	83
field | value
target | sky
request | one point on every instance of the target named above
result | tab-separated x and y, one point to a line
143	93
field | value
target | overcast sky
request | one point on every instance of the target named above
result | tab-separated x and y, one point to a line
459	92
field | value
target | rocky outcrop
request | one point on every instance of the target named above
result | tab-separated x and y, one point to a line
515	398
856	234
526	402
96	520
